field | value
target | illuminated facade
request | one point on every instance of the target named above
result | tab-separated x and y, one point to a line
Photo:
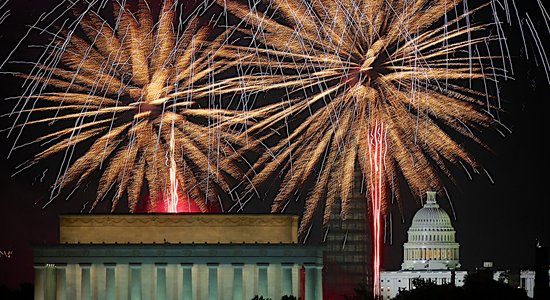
431	241
430	253
527	281
186	256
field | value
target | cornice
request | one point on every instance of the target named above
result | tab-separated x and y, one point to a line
177	220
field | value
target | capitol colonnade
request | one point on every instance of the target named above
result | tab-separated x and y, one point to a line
439	252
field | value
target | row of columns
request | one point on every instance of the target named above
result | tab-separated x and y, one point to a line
59	281
446	237
431	254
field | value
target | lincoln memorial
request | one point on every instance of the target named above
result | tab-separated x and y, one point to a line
177	256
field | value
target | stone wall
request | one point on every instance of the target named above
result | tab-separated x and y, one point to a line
178	228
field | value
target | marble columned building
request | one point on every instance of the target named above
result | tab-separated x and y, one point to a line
431	240
177	257
431	252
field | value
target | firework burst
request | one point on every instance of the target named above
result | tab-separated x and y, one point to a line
355	64
380	86
137	92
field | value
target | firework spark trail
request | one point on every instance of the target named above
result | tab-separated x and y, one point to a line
132	89
373	60
343	68
335	46
540	48
137	90
545	15
173	198
4	15
520	27
377	154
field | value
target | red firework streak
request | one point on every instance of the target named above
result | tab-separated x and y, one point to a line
170	201
174	203
377	153
173	198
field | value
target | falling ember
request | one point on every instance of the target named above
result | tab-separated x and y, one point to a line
377	153
173	198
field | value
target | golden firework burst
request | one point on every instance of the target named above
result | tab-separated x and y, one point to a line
134	89
353	64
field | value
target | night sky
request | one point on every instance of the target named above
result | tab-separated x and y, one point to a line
498	221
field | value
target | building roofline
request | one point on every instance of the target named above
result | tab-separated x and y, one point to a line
176	214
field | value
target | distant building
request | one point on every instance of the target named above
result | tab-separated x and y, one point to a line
541	290
488	271
430	253
537	282
177	256
527	282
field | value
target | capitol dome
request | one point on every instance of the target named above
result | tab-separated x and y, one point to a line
431	241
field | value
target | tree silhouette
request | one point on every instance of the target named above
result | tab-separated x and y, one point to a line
477	286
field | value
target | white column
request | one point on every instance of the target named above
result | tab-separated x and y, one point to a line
97	278
187	286
85	282
212	281
296	280
50	282
200	282
72	281
39	281
225	282
319	282
287	279
135	288
172	283
122	281
61	282
262	279
274	286
161	281
110	281
148	281
238	281
250	281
